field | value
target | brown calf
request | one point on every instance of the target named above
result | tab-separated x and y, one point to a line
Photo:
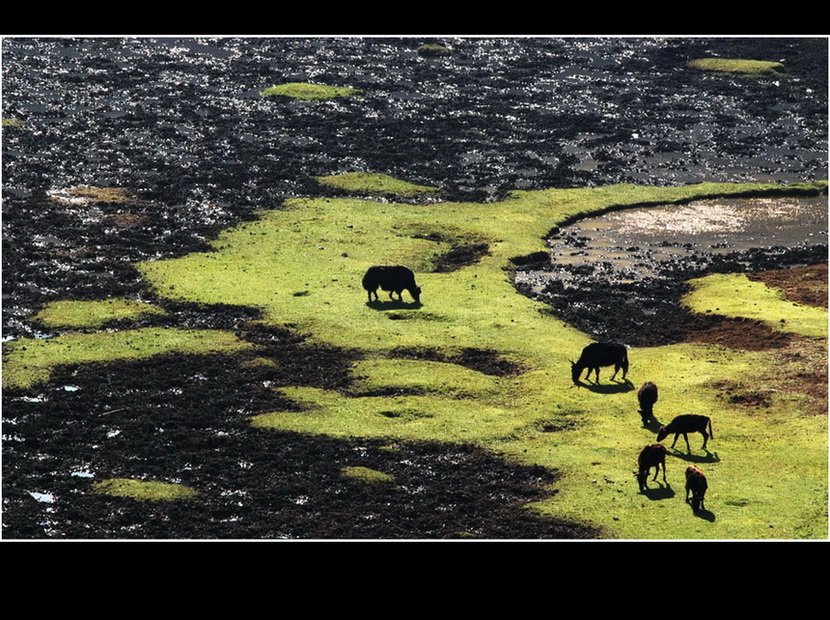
653	455
696	485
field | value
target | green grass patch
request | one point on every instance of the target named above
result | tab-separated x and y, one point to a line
433	50
93	314
367	474
13	123
375	183
308	92
28	362
735	295
143	489
737	65
302	266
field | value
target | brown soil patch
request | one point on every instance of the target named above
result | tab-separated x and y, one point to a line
738	333
802	285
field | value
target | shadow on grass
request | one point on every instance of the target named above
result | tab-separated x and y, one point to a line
706	515
394	304
708	457
616	387
662	491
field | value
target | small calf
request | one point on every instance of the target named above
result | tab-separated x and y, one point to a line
685	424
653	455
647	396
696	485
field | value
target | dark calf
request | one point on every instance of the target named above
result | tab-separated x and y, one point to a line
685	424
647	396
597	355
653	455
696	485
391	278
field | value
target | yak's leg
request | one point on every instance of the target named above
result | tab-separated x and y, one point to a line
686	437
705	439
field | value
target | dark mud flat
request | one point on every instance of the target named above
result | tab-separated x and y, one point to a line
178	415
180	123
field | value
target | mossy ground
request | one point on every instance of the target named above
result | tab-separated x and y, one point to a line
737	66
301	266
92	314
307	91
143	489
375	184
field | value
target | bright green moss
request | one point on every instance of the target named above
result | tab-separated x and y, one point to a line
736	65
367	474
92	314
306	91
373	183
143	490
29	361
735	295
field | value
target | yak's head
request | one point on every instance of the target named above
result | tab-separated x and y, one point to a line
576	370
415	291
641	479
662	433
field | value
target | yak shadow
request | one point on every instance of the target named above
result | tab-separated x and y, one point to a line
394	304
709	457
705	514
662	491
617	387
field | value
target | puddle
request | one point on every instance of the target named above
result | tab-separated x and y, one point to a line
621	276
634	244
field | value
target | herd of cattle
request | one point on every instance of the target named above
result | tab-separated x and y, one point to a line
396	279
599	355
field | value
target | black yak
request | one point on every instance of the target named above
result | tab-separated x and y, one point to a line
653	455
599	354
394	279
696	484
685	424
647	396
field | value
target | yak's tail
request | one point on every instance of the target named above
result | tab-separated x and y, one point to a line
711	434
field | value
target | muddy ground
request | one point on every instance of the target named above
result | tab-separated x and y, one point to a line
180	123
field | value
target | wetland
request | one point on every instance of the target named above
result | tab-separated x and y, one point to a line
187	147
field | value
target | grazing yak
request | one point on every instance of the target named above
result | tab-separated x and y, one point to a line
598	354
653	455
394	279
647	396
696	485
685	424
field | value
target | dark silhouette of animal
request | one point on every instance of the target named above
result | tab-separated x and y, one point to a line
598	354
392	278
653	455
685	424
647	396
696	484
